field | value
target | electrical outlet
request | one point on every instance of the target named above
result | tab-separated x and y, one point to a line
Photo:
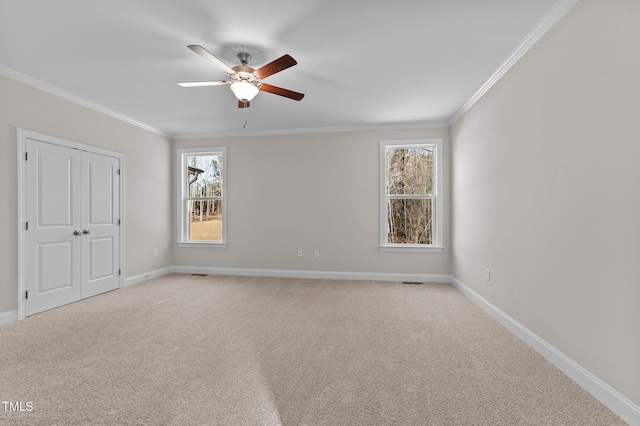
299	253
487	274
316	253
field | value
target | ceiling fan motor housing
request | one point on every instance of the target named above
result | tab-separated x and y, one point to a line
244	72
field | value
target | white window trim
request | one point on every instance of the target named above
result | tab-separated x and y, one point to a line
182	226
438	196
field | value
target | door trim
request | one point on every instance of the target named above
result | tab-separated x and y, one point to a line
22	136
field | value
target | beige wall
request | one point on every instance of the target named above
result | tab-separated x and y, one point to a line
148	209
546	191
310	192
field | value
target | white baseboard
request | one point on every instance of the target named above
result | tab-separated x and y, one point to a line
8	317
284	273
146	276
616	402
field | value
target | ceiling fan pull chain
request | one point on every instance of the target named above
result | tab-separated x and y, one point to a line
244	126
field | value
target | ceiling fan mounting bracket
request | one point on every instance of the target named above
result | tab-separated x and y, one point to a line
244	58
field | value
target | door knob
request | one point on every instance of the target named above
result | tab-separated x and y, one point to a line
86	231
76	232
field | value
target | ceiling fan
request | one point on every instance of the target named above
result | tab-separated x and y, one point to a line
245	81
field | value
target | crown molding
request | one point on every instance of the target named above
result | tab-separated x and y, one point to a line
53	90
311	130
38	84
554	15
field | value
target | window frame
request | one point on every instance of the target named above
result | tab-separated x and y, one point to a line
436	144
182	197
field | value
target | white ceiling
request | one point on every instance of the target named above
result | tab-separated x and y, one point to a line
361	64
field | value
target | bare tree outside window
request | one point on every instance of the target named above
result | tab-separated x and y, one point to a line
204	197
409	194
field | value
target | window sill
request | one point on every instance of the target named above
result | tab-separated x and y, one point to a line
408	248
201	244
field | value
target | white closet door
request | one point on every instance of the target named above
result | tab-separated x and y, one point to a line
53	271
73	236
100	214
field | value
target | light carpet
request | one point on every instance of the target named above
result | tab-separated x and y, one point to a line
226	350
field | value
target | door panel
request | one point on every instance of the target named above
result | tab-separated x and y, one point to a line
100	190
53	213
55	186
101	251
55	265
101	175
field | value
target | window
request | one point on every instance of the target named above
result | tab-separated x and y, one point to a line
411	195
201	196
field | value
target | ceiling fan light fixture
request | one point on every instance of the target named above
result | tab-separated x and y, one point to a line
244	91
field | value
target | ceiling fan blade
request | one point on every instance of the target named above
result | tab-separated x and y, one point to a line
243	104
203	83
211	58
278	65
282	92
